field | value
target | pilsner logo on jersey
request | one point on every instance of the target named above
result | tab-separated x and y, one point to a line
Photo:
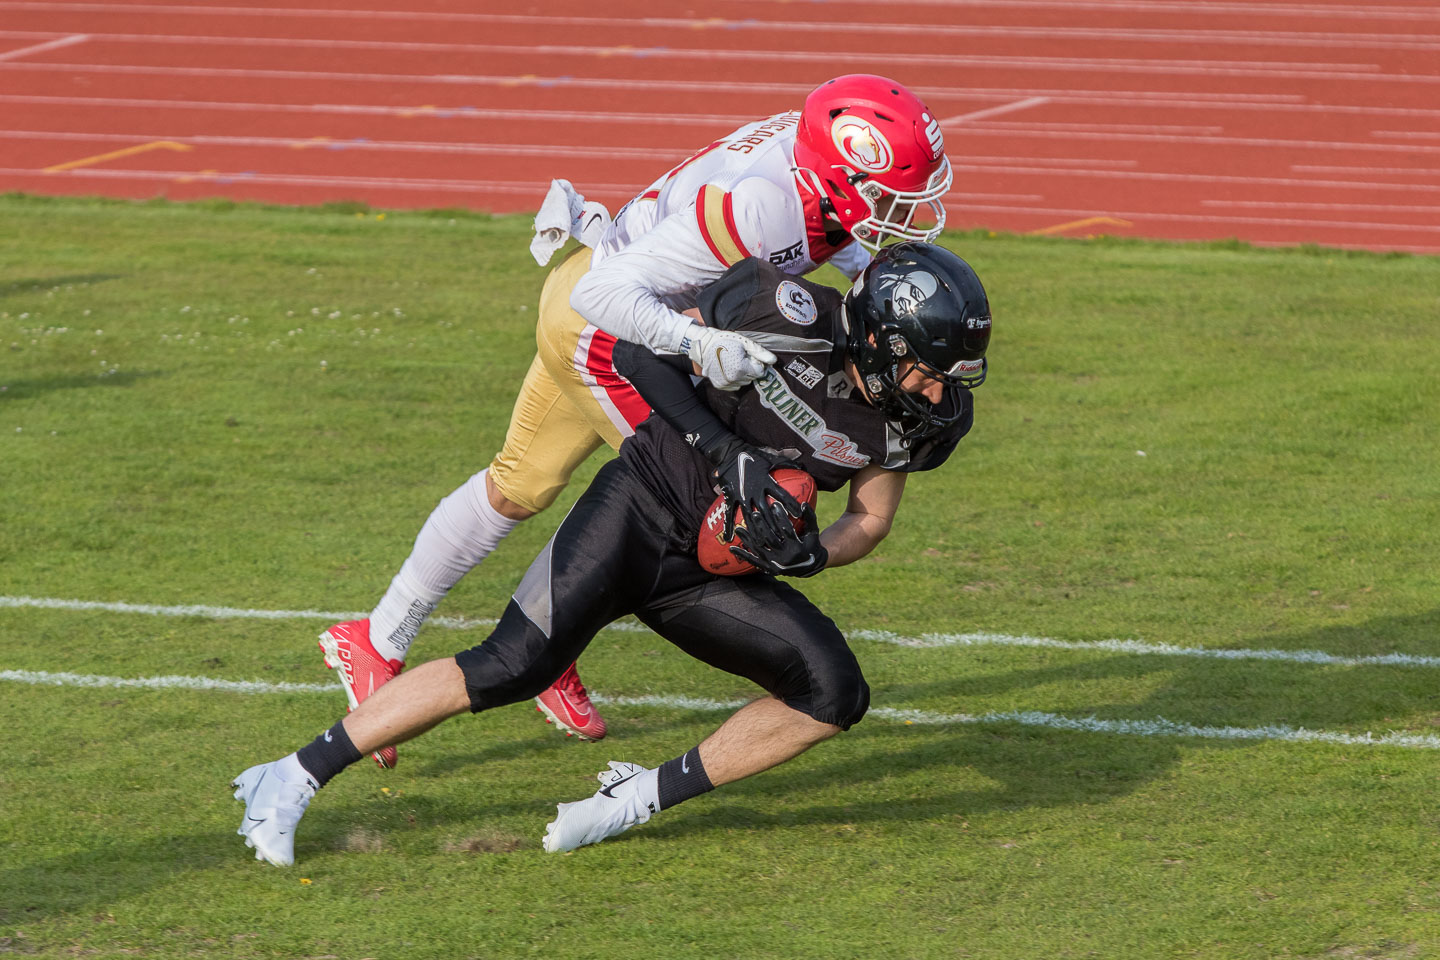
795	303
828	444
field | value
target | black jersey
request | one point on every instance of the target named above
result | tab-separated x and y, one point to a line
806	405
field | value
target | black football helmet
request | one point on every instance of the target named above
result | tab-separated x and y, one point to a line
918	302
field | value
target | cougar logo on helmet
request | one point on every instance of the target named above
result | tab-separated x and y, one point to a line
908	291
862	144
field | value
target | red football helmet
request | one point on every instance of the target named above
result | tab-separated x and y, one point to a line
874	153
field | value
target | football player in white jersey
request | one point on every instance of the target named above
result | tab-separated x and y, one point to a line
862	163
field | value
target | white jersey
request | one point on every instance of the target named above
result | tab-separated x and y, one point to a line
737	198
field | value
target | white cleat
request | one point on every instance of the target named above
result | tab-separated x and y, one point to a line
273	808
616	807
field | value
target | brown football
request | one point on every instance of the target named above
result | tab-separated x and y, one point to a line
714	553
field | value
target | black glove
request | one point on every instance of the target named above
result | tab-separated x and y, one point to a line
772	544
743	474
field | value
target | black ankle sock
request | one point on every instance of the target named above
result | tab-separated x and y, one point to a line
328	754
682	778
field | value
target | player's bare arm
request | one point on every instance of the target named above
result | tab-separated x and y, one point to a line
874	499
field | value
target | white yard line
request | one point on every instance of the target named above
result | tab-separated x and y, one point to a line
1157	727
923	641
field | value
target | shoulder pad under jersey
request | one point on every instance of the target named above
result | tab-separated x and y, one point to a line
754	218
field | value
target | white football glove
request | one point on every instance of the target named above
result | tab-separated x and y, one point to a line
725	358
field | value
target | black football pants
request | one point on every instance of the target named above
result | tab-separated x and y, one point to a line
619	552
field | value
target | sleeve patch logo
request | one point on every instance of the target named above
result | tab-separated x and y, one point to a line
795	303
862	144
807	375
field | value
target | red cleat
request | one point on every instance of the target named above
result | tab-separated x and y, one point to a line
362	671
566	704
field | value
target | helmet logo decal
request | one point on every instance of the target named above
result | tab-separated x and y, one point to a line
933	134
908	290
862	144
795	303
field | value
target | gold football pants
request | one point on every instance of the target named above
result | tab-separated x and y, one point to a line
557	421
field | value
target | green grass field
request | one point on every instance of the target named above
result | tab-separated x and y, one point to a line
1209	447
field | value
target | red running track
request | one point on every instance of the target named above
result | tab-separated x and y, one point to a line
1275	122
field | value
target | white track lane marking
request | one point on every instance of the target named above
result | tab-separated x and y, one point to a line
1362	72
1025	104
1298	205
69	41
417	146
1158	727
530	187
1198	178
1210	8
690	54
1407	134
1101	132
1153	217
368	109
1189	7
1039	131
510	187
924	641
1120	98
703	29
1373	171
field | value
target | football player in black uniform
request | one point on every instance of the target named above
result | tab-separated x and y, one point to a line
867	388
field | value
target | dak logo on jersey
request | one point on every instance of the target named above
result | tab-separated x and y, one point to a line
795	303
782	257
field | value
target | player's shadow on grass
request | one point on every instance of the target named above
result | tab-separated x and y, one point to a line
104	873
41	283
24	389
1022	766
1207	691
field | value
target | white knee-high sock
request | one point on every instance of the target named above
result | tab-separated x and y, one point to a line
460	532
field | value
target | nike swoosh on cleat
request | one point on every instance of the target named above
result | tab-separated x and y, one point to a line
576	717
